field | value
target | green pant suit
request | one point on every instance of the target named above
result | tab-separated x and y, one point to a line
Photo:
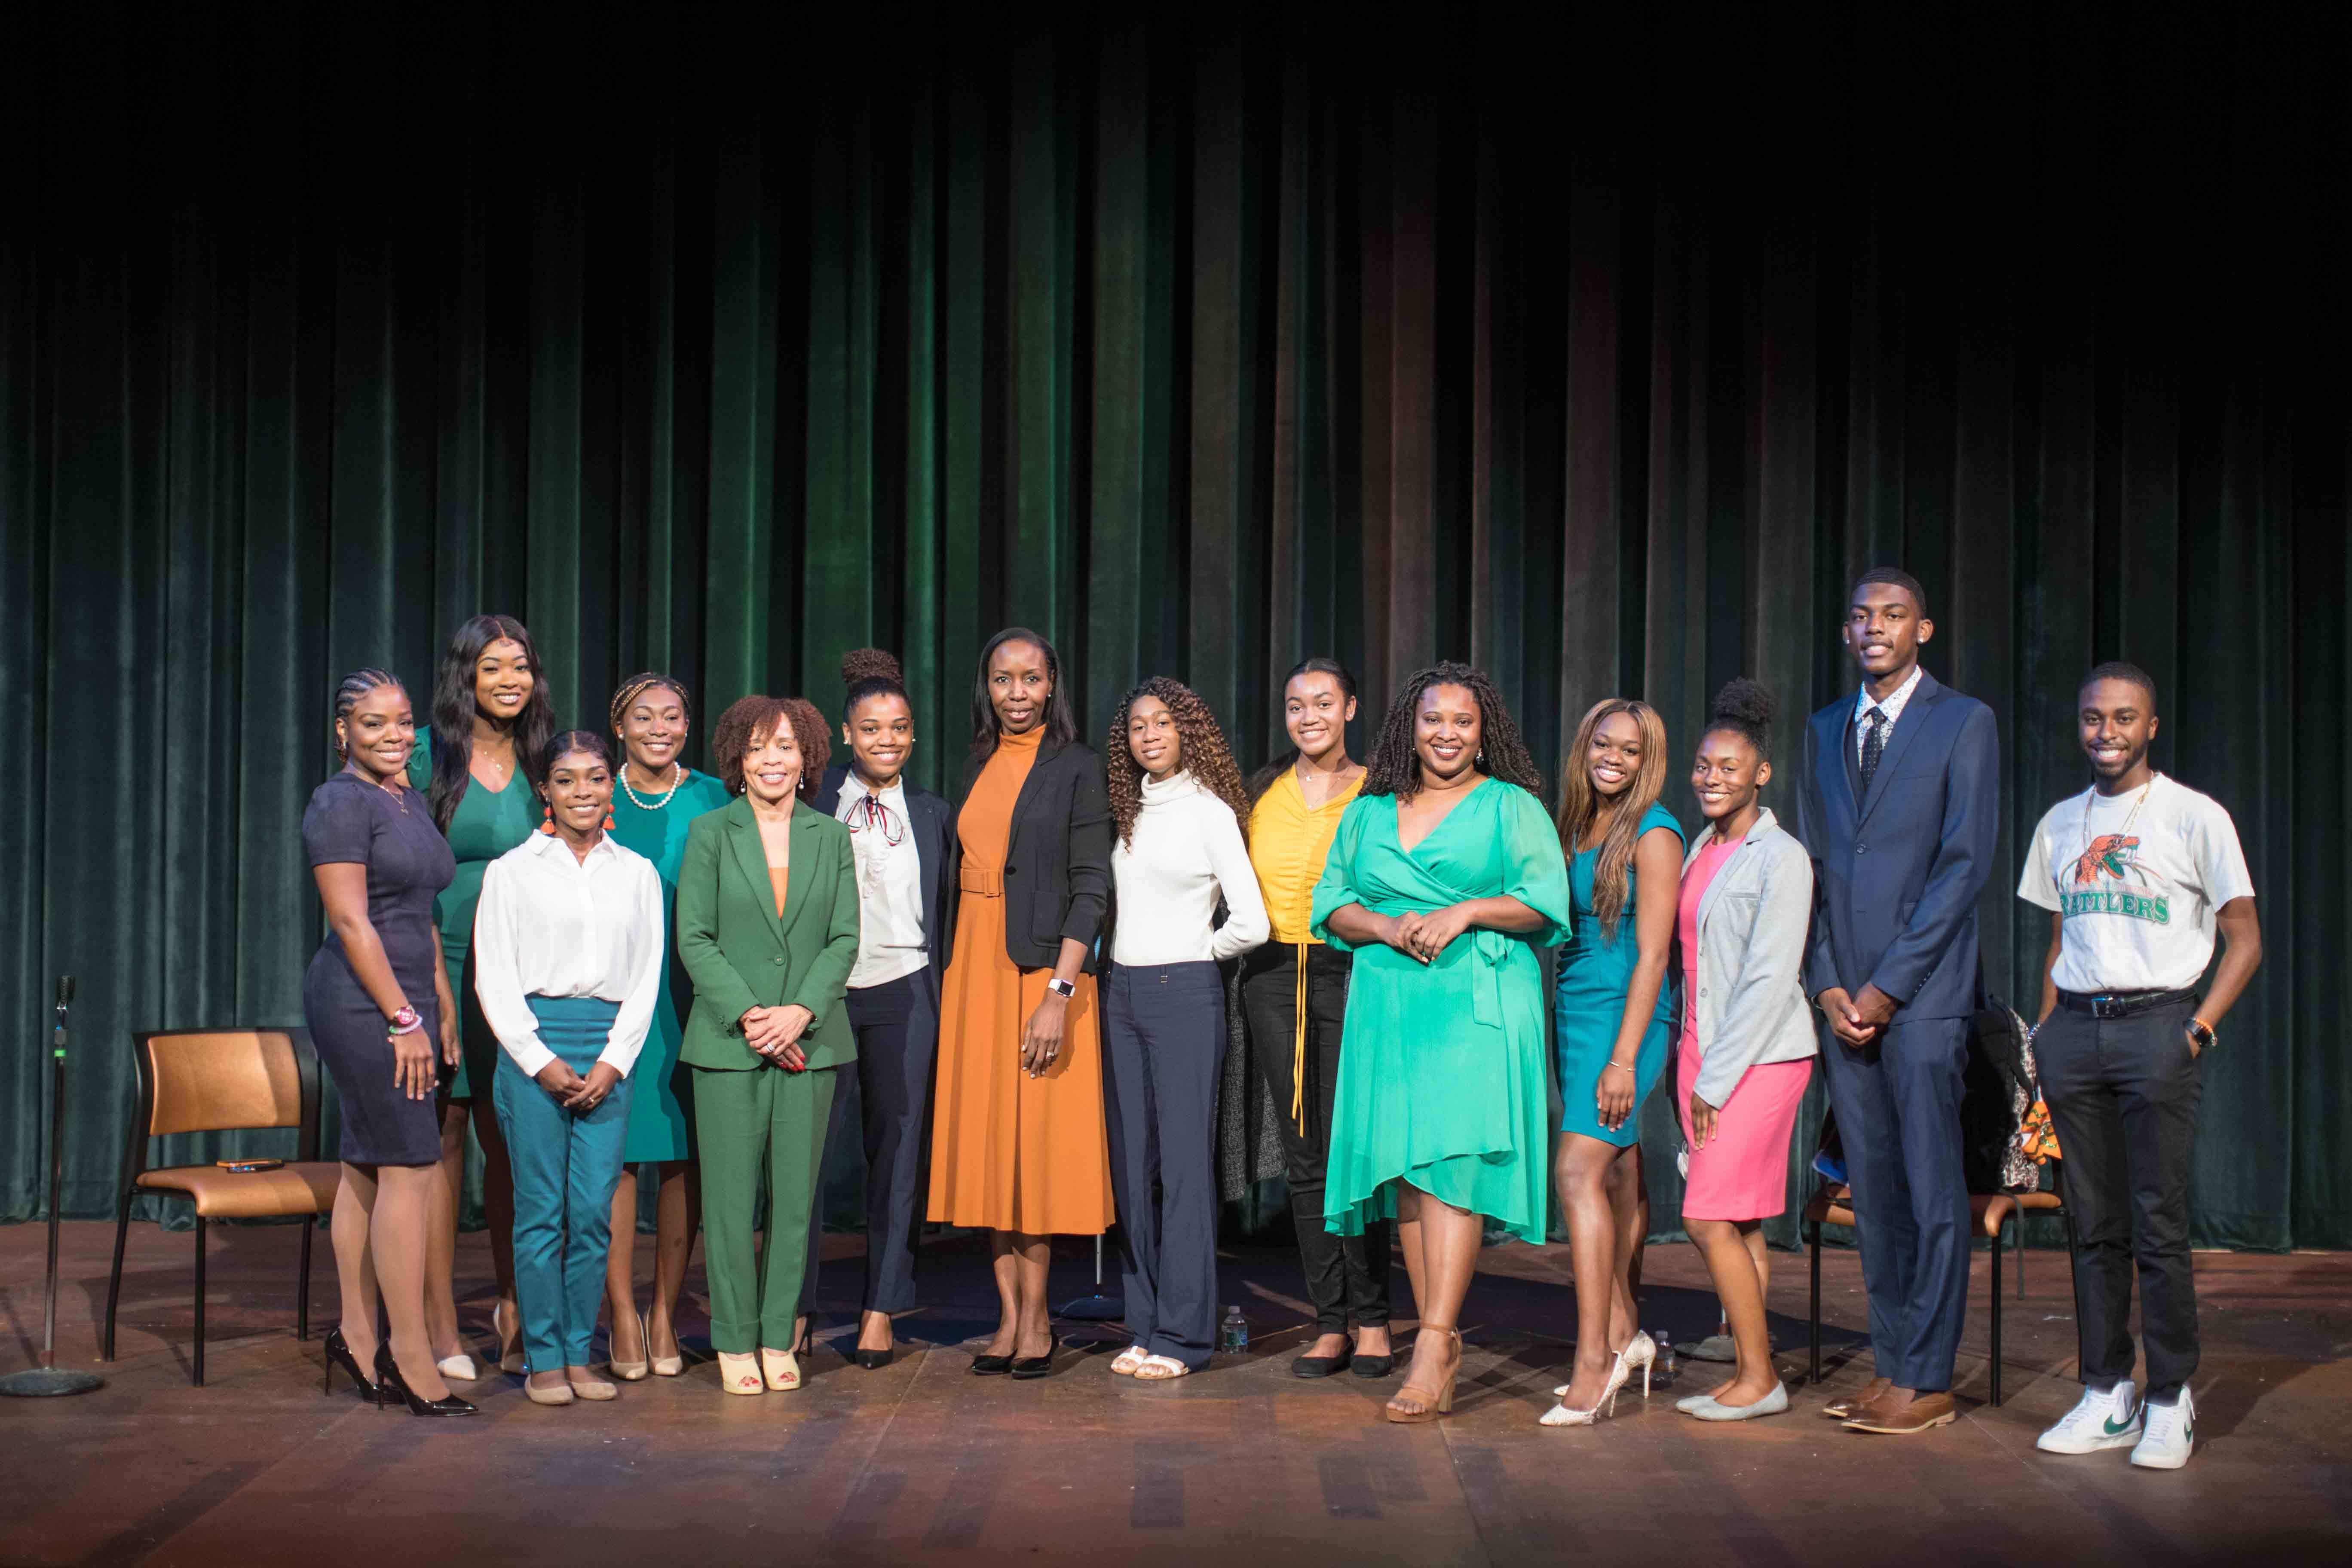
753	1117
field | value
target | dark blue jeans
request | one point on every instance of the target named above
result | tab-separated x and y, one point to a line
1163	1046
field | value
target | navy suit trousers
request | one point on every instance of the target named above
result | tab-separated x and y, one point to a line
1898	1114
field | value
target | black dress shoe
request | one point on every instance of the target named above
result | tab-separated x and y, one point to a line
1031	1366
872	1361
1322	1365
388	1384
990	1365
1373	1365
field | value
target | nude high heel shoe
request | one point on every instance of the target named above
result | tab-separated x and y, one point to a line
510	1349
741	1373
782	1368
666	1365
1441	1400
630	1370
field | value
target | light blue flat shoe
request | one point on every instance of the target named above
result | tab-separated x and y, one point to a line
1772	1404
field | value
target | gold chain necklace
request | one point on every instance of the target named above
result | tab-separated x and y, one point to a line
2130	822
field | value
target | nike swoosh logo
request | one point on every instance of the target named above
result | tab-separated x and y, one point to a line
2116	1429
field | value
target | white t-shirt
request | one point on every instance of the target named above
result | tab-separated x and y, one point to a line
2139	907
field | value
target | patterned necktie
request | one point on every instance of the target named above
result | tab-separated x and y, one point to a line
1874	744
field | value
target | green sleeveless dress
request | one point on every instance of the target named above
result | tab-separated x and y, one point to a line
487	824
658	1125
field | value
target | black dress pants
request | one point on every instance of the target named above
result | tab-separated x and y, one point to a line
2123	1096
898	1028
1347	1277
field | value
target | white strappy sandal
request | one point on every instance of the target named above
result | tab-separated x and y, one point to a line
1129	1359
1162	1369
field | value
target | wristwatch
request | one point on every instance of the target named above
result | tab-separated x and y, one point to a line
1066	989
2201	1032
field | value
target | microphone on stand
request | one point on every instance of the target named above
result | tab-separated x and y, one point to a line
48	1380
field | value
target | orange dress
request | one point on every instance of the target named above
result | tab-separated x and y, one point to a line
1010	1151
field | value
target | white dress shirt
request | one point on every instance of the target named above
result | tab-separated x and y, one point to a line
890	944
1187	849
1892	706
552	924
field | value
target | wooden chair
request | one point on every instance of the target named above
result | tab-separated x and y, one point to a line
217	1080
1992	1213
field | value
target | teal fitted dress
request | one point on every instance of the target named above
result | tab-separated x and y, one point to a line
1596	969
487	824
1442	1073
659	1124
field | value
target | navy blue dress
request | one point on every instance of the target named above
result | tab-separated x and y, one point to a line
354	823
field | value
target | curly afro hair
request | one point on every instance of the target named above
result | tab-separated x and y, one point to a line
809	728
1205	754
1394	766
746	721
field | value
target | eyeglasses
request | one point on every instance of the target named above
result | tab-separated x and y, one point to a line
870	816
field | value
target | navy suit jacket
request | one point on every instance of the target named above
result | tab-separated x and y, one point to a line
1896	873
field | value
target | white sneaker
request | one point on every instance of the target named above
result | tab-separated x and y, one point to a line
2109	1420
2172	1435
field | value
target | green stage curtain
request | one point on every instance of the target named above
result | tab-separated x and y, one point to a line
1603	353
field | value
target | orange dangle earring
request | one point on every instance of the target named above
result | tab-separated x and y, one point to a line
548	826
609	824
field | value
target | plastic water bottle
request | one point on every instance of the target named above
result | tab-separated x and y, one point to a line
1662	1370
1233	1334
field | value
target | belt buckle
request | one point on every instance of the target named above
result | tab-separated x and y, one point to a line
2104	1006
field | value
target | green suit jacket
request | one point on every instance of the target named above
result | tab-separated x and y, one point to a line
742	956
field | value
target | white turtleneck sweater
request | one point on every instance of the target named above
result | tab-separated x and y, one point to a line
1187	849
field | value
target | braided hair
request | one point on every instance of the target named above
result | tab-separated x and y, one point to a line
1394	766
645	681
349	691
1204	755
1744	709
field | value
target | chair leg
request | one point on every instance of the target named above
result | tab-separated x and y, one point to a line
114	1280
302	1286
2021	1258
1996	1318
199	1356
1814	1228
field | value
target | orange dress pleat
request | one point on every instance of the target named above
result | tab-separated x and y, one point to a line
1010	1151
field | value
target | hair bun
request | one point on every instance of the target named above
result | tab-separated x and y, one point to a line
870	664
1743	701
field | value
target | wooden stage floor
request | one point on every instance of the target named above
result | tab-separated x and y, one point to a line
920	1463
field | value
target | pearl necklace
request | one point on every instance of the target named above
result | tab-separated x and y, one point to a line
655	805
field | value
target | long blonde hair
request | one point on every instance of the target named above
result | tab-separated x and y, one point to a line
1581	804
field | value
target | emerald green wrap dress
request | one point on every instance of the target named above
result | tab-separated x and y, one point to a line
1442	1066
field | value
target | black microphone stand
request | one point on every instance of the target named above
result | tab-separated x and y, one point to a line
49	1380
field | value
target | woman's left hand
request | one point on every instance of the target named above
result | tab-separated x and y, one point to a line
1613	1100
1434	932
590	1092
1703	1116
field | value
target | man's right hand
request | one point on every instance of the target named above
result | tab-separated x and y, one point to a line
1845	1020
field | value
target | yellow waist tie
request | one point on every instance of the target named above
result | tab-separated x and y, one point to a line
1298	1048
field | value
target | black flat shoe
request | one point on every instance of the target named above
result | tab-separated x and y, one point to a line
873	1361
338	1354
1373	1365
990	1365
387	1382
1322	1365
1031	1366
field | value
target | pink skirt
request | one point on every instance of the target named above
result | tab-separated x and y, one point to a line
1743	1172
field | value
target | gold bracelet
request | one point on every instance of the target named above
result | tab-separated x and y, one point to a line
1627	1066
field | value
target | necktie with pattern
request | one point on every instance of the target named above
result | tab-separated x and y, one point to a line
1874	744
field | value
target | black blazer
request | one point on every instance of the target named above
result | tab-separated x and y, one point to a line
935	852
1057	869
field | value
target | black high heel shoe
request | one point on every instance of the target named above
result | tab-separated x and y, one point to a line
1029	1366
338	1354
388	1380
872	1361
990	1365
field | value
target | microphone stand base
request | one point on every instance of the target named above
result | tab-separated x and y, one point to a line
49	1382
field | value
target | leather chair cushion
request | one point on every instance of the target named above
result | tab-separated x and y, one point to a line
295	1188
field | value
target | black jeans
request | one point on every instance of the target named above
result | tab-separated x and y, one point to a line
2123	1095
1347	1277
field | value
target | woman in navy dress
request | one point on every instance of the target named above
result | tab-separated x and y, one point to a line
377	999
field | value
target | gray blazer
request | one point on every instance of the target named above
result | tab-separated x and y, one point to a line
1752	924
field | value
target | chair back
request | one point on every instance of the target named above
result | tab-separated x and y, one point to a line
214	1080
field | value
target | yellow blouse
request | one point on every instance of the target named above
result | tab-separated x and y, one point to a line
1288	842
